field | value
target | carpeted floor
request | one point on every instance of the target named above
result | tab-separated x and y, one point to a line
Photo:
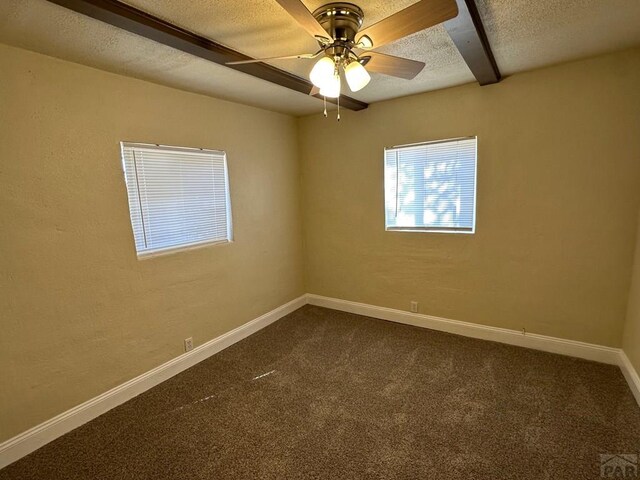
323	394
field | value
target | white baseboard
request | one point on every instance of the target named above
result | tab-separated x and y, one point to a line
631	375
561	346
34	438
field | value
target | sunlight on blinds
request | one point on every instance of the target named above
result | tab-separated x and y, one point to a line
178	197
431	186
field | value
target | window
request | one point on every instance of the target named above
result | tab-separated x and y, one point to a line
178	197
431	186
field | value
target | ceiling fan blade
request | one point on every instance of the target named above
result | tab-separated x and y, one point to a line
288	57
420	15
390	65
314	90
303	16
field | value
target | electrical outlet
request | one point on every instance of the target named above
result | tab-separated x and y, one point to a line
414	307
188	344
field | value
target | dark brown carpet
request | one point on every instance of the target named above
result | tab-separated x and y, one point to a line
322	394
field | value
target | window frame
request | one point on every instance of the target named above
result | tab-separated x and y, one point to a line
150	253
425	229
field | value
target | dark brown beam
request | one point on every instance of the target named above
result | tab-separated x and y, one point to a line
141	23
467	32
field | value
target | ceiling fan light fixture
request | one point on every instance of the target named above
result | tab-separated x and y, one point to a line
323	72
331	89
357	76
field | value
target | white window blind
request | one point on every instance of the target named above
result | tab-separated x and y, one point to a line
178	197
431	186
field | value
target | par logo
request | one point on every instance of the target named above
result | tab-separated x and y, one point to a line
621	465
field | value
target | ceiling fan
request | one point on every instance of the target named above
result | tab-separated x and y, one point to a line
344	47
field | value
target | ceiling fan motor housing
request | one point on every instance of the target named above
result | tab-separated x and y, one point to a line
342	21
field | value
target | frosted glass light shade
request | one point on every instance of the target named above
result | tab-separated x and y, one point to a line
357	76
332	88
322	72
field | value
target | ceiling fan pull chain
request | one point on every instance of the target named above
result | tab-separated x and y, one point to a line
325	106
338	107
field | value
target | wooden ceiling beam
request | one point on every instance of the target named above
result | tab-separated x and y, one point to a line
141	23
469	36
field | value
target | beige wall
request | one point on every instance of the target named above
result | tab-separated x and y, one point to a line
557	210
80	314
558	193
631	337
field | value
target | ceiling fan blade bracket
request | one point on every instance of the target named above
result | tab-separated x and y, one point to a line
288	57
323	41
364	42
364	60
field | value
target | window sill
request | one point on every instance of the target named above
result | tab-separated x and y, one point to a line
430	230
181	248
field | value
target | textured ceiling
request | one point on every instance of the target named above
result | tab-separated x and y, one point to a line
527	34
524	34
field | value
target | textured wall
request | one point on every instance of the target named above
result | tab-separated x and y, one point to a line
557	211
631	338
80	314
558	193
